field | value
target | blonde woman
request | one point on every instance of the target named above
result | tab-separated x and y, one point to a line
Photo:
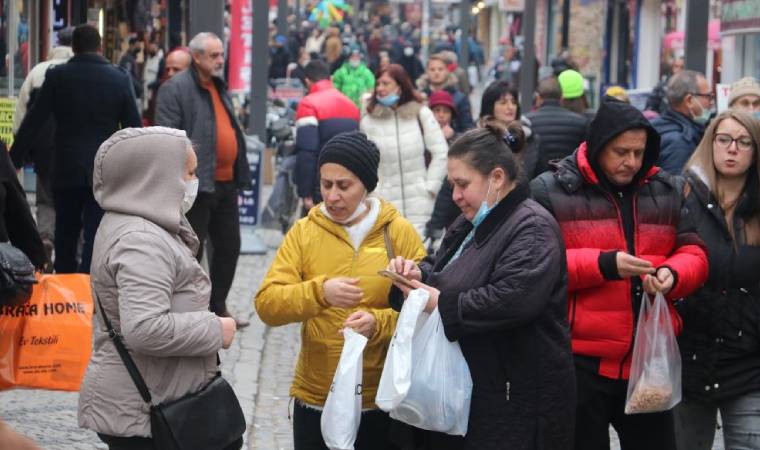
720	342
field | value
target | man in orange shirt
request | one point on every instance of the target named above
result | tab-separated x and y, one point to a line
196	101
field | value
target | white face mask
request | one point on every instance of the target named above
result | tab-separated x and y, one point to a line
191	192
357	212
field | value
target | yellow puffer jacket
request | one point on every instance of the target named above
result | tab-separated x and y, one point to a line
317	249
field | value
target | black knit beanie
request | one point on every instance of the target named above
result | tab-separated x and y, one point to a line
356	153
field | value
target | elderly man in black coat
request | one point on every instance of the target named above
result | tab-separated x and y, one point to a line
90	99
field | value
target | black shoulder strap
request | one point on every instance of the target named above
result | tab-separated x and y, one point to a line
388	243
134	373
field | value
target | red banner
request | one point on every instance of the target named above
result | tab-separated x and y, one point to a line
241	45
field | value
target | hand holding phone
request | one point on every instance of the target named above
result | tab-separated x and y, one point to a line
397	278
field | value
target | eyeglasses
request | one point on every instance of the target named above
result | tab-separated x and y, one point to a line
709	96
724	141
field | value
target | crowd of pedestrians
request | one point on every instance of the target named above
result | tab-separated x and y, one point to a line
536	235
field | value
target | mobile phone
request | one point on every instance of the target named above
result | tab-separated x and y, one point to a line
396	277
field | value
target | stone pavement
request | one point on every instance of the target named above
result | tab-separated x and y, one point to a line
259	365
259	373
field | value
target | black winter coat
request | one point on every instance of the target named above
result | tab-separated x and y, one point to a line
16	221
90	99
561	132
505	301
720	342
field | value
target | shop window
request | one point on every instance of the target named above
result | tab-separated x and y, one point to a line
15	32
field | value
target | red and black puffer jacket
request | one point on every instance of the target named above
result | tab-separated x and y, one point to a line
602	312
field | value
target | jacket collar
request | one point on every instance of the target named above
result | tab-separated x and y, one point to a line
89	58
700	189
320	85
501	213
221	86
576	170
409	110
688	126
387	214
550	102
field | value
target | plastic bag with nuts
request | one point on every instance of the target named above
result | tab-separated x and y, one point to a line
655	381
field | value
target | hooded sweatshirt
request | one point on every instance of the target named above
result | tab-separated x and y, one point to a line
613	119
153	290
599	219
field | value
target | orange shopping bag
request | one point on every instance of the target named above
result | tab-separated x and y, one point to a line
46	343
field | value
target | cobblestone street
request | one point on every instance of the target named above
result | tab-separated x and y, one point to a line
259	365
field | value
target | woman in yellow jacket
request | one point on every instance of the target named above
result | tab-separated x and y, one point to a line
325	276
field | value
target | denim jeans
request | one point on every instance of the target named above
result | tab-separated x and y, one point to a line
696	422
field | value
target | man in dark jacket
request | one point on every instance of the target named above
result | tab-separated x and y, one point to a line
438	78
322	114
41	151
128	62
560	129
682	125
90	99
621	219
196	101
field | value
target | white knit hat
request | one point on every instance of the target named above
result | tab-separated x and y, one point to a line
745	86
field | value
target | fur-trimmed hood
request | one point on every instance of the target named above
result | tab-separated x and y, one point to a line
408	110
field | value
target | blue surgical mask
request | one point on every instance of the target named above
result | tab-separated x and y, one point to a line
484	210
389	100
757	115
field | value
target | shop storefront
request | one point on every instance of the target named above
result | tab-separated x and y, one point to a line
740	33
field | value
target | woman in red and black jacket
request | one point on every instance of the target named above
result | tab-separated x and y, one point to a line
624	231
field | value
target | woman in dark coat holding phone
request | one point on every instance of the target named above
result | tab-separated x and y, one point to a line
499	281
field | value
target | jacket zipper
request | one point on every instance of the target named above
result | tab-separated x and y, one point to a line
633	302
574	306
400	167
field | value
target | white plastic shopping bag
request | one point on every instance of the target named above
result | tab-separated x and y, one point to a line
397	371
655	380
343	408
441	387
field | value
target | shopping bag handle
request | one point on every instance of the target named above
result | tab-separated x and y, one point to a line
388	244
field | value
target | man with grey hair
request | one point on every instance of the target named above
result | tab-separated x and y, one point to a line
682	125
196	101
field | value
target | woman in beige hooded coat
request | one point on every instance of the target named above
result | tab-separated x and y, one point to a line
152	289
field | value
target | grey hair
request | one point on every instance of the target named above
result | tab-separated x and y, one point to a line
198	43
681	85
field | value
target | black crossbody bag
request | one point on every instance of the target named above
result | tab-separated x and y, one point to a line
210	419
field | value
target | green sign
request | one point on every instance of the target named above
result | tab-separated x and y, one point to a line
740	16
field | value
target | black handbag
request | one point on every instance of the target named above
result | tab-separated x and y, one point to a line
16	276
210	419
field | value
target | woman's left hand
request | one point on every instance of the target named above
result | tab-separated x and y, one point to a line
433	293
363	322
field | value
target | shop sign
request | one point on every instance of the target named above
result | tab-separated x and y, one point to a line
740	16
241	46
7	112
722	92
512	5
